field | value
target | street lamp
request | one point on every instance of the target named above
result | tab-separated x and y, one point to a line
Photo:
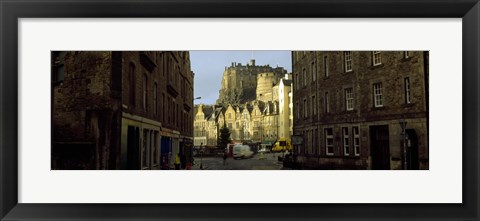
201	144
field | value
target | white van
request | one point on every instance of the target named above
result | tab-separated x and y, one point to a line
242	151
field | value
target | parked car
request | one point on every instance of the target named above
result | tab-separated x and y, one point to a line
264	150
242	151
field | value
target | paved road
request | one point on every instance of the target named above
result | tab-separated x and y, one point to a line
268	162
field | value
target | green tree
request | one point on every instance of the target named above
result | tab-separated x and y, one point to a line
224	137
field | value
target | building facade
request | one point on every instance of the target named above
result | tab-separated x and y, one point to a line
121	110
361	109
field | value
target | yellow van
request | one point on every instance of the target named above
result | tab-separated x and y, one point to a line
281	145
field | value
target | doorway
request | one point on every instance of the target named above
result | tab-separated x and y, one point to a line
133	148
380	147
412	150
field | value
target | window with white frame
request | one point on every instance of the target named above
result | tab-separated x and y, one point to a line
346	143
314	72
356	141
348	61
329	141
307	141
326	103
304	76
378	95
407	90
305	109
325	66
314	106
349	99
376	58
310	138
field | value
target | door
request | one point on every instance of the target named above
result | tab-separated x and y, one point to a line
412	150
380	149
133	145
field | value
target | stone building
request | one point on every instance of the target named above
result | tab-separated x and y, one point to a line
361	109
200	125
208	121
270	123
120	110
239	82
284	100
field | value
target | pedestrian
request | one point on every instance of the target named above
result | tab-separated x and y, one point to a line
177	162
224	158
165	163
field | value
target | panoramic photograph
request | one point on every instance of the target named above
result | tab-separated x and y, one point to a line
239	110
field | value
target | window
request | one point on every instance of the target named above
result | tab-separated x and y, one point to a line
229	115
305	114
304	76
314	72
378	95
297	80
145	92
356	141
326	103
131	76
376	58
407	91
406	54
314	106
349	99
310	141
58	69
346	143
325	66
230	126
329	141
348	61
155	99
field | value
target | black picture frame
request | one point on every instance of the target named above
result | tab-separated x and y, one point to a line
11	11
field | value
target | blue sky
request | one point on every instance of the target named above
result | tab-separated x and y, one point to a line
208	67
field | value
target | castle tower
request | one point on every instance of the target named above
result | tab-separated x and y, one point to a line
265	83
239	81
